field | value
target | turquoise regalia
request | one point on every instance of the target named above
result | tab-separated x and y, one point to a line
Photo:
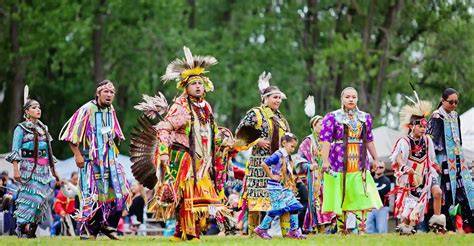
102	180
35	171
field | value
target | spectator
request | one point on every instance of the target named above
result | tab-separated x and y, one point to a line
8	191
377	219
137	208
10	185
65	206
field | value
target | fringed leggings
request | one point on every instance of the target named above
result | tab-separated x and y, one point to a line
293	222
94	225
361	219
255	218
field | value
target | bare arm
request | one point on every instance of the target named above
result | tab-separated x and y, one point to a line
403	165
16	171
373	152
325	155
77	155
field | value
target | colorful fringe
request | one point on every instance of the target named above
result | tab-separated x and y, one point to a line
32	200
255	193
188	201
80	128
93	196
356	197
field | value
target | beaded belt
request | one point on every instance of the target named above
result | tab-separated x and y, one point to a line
26	153
350	141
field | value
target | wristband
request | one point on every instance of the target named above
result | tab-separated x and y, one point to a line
162	149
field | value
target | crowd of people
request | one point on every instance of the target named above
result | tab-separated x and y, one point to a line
326	185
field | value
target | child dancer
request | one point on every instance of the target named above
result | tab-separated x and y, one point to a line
280	189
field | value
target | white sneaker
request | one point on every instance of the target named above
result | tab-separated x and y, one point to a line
438	223
405	229
134	220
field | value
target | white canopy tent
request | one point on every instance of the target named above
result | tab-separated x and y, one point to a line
467	133
385	139
5	165
66	167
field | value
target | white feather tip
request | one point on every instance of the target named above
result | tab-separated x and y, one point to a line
188	55
26	92
264	81
309	106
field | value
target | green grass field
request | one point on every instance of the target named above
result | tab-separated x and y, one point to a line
331	240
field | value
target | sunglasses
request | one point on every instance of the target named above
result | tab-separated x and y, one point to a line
381	167
451	102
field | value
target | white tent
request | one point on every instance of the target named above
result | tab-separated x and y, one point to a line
66	167
467	133
5	165
385	139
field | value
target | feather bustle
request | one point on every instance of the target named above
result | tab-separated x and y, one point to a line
143	145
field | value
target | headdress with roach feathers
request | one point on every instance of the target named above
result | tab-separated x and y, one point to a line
310	110
188	69
265	88
414	114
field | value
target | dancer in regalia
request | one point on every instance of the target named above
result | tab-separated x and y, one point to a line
183	147
93	133
33	167
281	189
261	128
348	185
414	162
309	172
456	183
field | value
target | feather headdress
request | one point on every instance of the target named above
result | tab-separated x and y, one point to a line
182	69
264	83
419	110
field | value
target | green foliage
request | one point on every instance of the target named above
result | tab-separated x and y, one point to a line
308	49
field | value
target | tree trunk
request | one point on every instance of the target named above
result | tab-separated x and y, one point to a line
192	14
310	40
18	70
123	103
364	93
336	66
97	38
384	45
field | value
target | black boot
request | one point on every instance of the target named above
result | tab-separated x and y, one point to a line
21	231
109	232
32	230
